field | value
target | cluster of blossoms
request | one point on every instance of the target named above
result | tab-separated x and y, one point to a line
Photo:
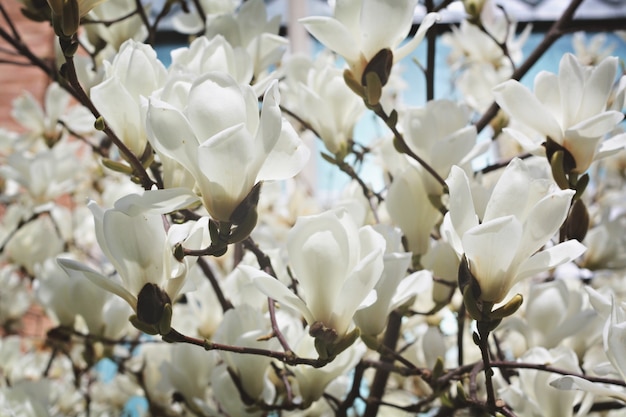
163	220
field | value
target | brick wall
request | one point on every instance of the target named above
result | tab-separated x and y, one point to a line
13	78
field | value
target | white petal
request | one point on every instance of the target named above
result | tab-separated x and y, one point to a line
461	205
78	271
550	258
275	289
490	249
510	193
398	18
571	83
333	35
287	158
408	47
543	221
571	382
156	201
169	132
611	146
598	88
521	104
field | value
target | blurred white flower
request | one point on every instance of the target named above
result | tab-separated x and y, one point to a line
15	297
44	122
65	294
356	33
245	326
532	394
250	29
321	98
592	52
131	27
522	215
191	23
204	55
220	138
569	109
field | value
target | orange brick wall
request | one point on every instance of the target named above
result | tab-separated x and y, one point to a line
15	79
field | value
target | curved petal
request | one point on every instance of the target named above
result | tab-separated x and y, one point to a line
550	258
597	88
169	132
156	201
543	221
571	382
521	104
408	47
77	271
287	158
398	18
510	194
571	83
276	290
333	35
461	205
216	102
490	249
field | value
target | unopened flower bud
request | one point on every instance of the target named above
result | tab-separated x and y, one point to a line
380	65
577	223
151	302
65	17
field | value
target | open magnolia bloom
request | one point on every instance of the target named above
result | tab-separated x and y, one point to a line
133	237
220	138
135	72
568	110
337	265
521	216
356	33
613	336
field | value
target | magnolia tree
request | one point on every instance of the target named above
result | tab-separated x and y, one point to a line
159	217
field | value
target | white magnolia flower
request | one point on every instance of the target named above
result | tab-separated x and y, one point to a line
135	72
66	295
336	264
321	98
356	33
569	108
130	27
220	138
133	237
191	23
521	216
613	336
245	326
394	287
532	394
204	55
251	30
410	208
44	122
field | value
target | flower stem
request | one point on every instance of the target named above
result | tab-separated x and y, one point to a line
483	339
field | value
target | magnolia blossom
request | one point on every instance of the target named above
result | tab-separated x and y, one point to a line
135	72
131	27
219	137
134	239
393	288
216	54
569	108
336	264
532	394
521	216
322	99
191	23
356	33
613	336
251	30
